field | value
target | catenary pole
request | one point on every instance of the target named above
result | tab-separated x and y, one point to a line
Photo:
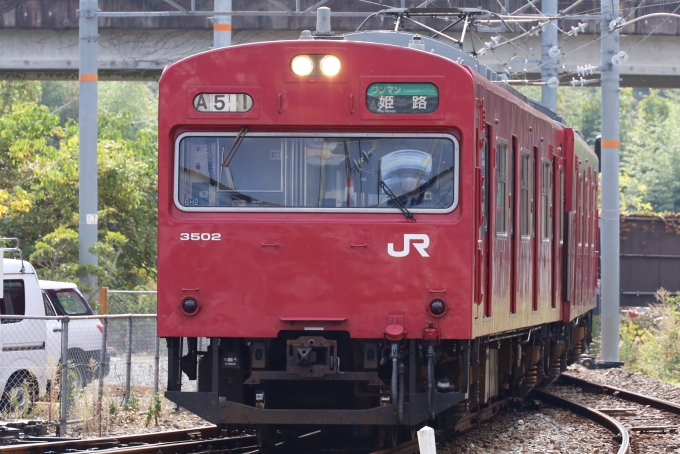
549	67
609	225
87	118
222	26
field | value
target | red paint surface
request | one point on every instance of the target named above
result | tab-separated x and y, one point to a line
314	277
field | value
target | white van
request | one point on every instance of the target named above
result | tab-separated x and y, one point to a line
30	349
84	335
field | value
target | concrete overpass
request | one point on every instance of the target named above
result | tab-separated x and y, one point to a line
39	40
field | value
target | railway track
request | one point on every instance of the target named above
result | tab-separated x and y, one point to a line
640	424
202	440
615	427
653	424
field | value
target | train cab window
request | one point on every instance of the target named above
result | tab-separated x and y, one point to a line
316	173
501	187
527	179
13	301
546	196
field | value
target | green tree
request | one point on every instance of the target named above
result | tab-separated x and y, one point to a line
25	131
39	187
56	255
18	92
137	98
61	97
651	152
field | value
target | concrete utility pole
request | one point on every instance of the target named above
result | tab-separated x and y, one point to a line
87	117
222	27
609	225
550	64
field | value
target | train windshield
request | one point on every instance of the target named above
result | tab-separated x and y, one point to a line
322	173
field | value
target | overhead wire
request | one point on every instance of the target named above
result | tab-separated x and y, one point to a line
543	20
668	16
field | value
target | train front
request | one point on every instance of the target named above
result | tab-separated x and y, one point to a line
315	252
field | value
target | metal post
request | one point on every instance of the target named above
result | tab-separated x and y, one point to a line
103	360
550	64
222	27
156	366
104	300
609	224
87	119
63	391
128	368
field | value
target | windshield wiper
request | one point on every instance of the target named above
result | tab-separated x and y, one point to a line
234	146
396	201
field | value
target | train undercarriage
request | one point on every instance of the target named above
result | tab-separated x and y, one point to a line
325	378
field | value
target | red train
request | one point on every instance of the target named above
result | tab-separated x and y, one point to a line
370	235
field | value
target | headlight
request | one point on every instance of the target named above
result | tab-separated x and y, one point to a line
330	65
302	65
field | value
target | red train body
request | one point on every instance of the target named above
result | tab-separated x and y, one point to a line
279	240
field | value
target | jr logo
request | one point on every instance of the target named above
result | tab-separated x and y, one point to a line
420	242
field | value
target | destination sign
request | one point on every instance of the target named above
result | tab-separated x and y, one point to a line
402	98
223	102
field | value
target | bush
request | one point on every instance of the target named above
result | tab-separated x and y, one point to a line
650	343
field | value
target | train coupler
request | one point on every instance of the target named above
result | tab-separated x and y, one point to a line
312	356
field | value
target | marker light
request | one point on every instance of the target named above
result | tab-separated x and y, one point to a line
302	65
189	305
437	308
330	65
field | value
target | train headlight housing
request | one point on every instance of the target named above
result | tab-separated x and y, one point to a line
330	65
302	65
189	306
437	307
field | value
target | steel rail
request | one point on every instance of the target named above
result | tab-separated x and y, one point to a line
597	417
169	442
623	394
408	447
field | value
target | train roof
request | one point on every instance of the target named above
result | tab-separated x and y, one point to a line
454	54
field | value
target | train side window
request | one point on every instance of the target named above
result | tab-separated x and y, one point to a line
545	202
526	194
501	186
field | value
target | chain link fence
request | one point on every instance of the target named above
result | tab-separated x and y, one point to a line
112	364
127	301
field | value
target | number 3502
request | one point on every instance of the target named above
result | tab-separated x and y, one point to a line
200	236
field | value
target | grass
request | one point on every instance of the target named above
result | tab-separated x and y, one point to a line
650	340
90	415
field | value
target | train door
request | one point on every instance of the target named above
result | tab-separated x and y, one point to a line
544	238
483	242
558	229
500	250
586	236
536	229
513	219
525	244
578	233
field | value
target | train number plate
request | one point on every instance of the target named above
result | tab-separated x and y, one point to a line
223	102
195	236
